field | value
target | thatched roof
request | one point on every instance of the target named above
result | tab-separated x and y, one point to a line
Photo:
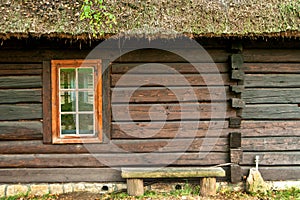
196	18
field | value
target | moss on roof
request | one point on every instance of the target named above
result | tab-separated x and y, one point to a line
60	18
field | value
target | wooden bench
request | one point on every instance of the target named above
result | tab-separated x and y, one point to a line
207	175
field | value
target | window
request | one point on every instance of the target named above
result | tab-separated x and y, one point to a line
76	101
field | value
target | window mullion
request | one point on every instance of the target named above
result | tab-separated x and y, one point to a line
77	104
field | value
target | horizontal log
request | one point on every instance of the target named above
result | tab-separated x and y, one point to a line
59	175
170	94
174	68
293	68
271	144
271	55
21	96
118	146
128	80
102	160
21	111
184	129
272	158
272	80
276	173
20	69
271	111
21	130
20	82
186	111
270	128
264	95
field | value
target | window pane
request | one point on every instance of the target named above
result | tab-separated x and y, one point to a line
85	101
85	78
68	101
67	78
86	124
68	124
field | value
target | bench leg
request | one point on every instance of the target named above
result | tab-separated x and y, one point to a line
135	187
208	186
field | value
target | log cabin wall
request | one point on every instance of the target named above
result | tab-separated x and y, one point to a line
26	158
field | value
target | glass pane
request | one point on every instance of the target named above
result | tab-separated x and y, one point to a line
85	78
85	101
67	78
86	124
68	124
68	101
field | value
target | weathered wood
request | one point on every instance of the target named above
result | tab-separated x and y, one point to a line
141	112
21	96
47	123
20	131
271	111
20	111
20	69
267	95
237	47
235	173
237	88
276	173
270	128
117	159
281	68
183	68
236	61
235	140
170	80
272	80
55	175
119	146
237	74
170	94
236	155
208	186
234	122
289	158
271	144
20	82
135	187
170	129
106	101
172	172
237	103
271	55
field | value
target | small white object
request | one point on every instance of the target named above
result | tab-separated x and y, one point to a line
256	162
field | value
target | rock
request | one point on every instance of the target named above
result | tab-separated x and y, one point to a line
255	183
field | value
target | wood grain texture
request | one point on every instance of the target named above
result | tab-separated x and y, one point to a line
271	55
272	158
7	82
20	69
271	144
20	111
20	131
280	68
20	96
272	80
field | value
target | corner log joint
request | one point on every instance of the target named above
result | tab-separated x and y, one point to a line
207	175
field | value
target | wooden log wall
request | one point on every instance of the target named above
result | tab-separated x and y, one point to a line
270	125
24	157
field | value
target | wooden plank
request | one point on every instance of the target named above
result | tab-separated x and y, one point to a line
271	144
119	146
186	111
271	111
21	96
182	129
235	173
183	68
62	175
271	55
292	68
31	130
47	109
106	101
171	80
235	139
20	69
267	95
272	80
20	111
101	160
276	173
170	94
270	128
20	82
272	158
